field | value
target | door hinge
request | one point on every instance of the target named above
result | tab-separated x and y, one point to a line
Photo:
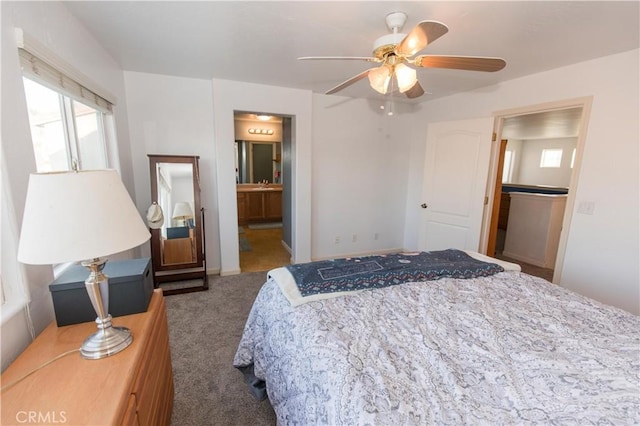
486	200
494	137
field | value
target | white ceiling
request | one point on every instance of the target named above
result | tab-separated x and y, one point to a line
563	123
259	41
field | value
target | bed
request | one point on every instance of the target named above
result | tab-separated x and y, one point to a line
499	348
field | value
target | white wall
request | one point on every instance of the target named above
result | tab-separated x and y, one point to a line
602	253
52	26
359	177
350	173
174	116
230	96
528	170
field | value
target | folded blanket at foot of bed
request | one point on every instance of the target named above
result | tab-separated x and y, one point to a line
331	278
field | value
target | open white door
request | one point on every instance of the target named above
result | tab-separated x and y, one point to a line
455	180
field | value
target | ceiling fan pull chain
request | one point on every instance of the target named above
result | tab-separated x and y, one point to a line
390	111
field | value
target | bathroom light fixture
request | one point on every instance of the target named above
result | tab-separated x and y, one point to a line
261	131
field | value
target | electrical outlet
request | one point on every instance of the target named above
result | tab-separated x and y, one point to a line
376	236
354	238
337	240
586	207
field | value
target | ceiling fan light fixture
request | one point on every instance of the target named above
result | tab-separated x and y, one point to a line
379	79
395	50
406	77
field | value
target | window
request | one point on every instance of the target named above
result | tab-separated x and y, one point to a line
507	170
551	158
64	131
66	119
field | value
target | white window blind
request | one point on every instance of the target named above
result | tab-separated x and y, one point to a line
49	76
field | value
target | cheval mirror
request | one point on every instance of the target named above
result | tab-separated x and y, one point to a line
177	243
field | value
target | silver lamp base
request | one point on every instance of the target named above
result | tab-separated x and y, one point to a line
106	341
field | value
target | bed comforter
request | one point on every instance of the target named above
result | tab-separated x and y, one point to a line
506	349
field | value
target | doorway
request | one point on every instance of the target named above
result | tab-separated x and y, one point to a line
263	188
545	131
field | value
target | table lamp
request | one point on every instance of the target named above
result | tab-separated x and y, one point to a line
182	211
82	216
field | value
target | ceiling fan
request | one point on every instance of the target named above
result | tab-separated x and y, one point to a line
395	53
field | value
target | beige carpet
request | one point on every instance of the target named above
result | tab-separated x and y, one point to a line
204	332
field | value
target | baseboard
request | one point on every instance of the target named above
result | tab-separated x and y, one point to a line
286	247
215	271
229	272
529	260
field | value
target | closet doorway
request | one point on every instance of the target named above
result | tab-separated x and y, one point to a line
536	164
263	188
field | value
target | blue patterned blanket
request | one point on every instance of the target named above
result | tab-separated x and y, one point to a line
359	273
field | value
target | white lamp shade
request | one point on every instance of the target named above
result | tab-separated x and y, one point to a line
182	210
75	216
406	77
379	79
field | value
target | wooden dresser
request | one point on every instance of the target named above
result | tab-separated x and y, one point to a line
133	387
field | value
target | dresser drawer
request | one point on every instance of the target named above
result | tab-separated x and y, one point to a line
153	388
134	387
130	415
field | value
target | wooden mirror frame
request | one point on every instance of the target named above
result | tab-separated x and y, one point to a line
163	273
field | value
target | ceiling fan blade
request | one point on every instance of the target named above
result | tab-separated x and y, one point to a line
426	32
349	82
415	91
469	63
347	58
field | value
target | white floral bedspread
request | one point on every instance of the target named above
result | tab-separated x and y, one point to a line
508	349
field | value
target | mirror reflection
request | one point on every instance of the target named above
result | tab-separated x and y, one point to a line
258	162
258	148
176	198
178	248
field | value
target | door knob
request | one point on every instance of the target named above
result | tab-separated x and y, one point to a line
424	205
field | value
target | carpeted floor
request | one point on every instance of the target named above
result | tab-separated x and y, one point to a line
204	332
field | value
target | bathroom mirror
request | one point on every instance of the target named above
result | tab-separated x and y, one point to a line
258	147
257	161
177	243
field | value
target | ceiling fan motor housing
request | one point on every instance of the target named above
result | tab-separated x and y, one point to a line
395	21
385	44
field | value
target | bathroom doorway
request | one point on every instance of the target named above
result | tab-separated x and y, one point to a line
263	187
